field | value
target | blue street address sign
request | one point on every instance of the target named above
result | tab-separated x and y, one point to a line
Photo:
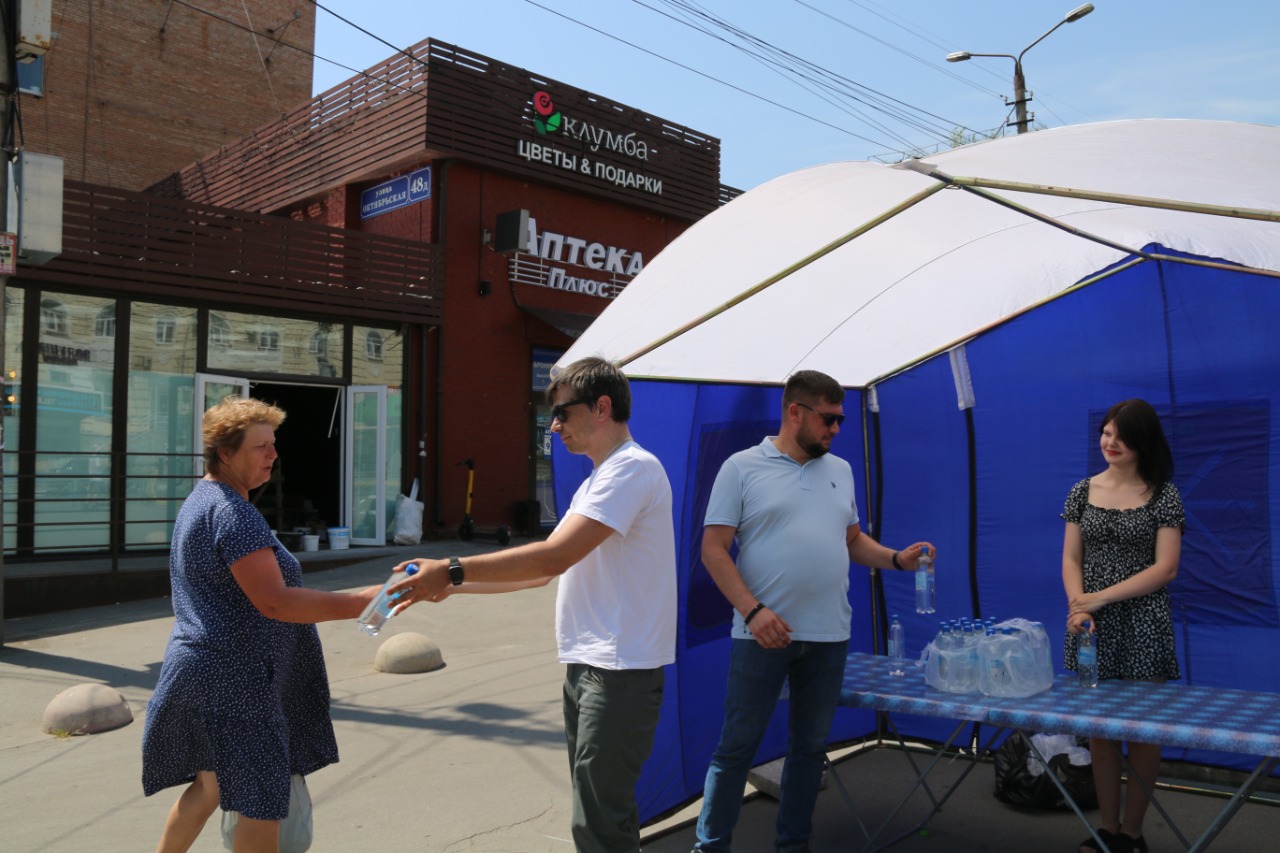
396	193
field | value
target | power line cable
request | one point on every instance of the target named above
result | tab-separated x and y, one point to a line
933	66
857	91
703	74
805	81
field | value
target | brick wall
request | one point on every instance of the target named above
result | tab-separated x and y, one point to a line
487	341
136	89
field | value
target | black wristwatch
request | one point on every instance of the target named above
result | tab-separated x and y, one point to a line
456	574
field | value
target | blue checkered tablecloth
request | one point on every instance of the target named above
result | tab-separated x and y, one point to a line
1171	714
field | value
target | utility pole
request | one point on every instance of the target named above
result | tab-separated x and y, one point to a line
1020	96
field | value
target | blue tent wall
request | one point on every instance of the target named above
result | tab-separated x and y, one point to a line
1199	344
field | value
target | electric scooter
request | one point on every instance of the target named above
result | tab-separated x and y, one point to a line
467	530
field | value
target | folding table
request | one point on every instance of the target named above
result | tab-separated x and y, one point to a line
1170	714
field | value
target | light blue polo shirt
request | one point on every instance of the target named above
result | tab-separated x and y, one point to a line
791	522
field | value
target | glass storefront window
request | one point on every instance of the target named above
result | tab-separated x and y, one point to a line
13	306
158	466
75	447
253	343
73	424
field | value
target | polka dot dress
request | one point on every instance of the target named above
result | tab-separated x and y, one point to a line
239	694
1135	637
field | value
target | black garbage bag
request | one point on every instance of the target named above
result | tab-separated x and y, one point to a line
1017	786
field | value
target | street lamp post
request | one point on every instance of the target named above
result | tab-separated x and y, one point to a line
1020	96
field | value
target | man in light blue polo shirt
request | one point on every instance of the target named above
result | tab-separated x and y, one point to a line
791	506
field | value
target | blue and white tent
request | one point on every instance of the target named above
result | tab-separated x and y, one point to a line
984	306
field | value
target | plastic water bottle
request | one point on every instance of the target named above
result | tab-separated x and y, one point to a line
379	610
924	582
993	672
1087	658
897	647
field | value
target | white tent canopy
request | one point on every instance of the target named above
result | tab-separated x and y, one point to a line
940	271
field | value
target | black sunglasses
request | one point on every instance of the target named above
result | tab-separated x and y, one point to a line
558	412
827	417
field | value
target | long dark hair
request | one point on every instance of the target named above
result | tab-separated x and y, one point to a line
1138	427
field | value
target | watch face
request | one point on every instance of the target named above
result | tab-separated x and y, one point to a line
455	572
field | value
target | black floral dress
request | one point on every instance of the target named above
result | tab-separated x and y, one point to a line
1134	637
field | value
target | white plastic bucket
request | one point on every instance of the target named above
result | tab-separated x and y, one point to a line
311	542
339	538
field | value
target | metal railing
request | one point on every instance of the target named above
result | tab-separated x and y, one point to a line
95	504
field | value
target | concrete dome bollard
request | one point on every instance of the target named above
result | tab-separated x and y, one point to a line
407	653
86	709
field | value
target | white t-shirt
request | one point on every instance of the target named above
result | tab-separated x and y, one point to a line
616	608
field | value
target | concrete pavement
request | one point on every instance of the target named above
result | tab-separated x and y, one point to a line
466	758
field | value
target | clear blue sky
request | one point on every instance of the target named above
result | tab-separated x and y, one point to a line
1128	59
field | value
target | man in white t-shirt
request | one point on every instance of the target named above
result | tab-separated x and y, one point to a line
616	605
791	507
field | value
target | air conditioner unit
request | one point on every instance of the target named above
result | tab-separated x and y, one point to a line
34	35
35	206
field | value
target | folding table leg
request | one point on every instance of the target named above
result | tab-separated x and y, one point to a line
848	801
1070	800
1151	795
1233	805
920	782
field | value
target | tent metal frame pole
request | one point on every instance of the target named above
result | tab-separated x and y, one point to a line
1111	244
779	276
1260	214
976	187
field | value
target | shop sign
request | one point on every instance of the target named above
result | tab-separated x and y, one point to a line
59	354
543	360
578	252
8	248
69	400
396	193
550	122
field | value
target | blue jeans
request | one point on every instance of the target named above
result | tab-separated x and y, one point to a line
814	672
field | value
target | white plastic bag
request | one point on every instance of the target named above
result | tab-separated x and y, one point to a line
408	528
296	830
1051	745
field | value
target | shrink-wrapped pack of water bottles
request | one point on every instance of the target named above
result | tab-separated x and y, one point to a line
1009	658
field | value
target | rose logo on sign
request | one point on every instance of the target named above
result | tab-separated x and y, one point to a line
547	118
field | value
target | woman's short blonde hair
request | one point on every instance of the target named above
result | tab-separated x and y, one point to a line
225	423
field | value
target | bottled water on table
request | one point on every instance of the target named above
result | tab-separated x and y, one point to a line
1087	657
897	647
993	662
925	593
379	610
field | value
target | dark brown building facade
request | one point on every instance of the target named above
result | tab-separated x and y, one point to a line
397	262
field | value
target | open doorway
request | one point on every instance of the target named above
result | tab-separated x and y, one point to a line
305	487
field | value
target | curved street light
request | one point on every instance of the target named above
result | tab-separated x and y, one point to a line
1019	82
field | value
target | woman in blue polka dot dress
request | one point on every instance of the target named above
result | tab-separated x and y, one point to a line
242	702
1121	551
